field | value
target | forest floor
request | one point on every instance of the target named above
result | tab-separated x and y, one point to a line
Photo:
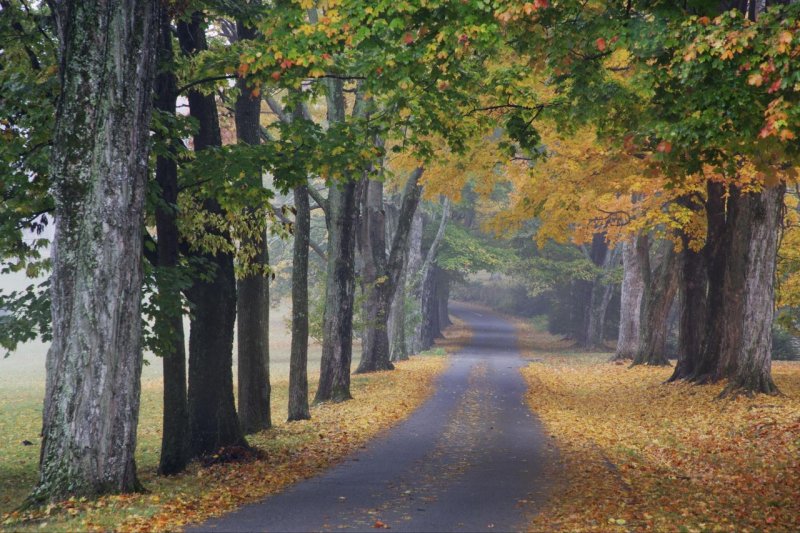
292	451
640	455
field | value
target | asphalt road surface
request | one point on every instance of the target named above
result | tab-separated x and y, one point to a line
470	459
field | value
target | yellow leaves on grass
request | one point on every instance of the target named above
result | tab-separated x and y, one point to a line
642	455
292	452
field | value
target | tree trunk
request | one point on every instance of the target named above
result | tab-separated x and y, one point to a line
758	230
628	340
98	169
422	289
380	275
252	306
337	334
408	291
413	315
374	282
743	237
213	423
693	316
169	321
431	328
716	252
443	301
598	305
661	286
397	320
298	369
337	343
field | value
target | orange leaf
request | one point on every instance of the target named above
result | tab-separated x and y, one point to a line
600	43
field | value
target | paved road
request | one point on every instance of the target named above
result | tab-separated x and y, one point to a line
470	459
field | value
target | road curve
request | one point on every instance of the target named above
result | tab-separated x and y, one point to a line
470	459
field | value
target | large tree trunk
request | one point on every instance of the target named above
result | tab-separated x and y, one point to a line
380	275
213	423
757	230
252	306
337	334
743	236
375	284
169	321
661	286
98	170
630	299
298	369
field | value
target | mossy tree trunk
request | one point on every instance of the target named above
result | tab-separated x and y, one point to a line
98	170
765	215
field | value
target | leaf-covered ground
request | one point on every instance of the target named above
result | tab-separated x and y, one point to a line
638	455
292	452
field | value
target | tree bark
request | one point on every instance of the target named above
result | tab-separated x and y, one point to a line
661	286
98	169
252	306
758	230
380	275
693	284
431	295
397	320
298	369
213	423
169	321
408	291
600	300
422	288
630	300
337	335
443	301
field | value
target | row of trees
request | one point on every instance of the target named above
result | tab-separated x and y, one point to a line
676	143
182	215
692	111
